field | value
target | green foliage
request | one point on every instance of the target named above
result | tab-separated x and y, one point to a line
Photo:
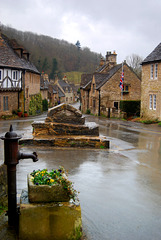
54	68
150	121
44	48
147	121
45	65
2	209
88	111
102	147
74	77
78	45
35	106
130	107
45	104
6	117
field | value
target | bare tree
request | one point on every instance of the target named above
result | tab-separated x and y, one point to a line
134	61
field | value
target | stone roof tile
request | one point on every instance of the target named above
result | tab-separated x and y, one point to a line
9	58
101	78
154	56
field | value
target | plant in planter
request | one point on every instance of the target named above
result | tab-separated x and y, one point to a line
25	114
19	112
51	186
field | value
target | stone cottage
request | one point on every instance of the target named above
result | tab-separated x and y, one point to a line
151	85
100	91
19	78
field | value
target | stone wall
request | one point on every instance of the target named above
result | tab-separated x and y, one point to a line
85	100
150	87
3	185
62	129
12	102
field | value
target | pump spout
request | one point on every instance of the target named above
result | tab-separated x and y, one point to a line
33	155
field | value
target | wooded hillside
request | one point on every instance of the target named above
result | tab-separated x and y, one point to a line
53	55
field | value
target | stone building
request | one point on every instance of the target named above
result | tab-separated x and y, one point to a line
151	85
100	91
19	78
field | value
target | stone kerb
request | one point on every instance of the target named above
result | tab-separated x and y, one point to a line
65	113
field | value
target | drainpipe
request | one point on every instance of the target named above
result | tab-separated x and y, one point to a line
99	103
24	88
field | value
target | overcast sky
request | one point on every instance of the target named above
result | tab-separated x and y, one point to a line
122	25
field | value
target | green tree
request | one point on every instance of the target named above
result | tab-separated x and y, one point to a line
45	65
54	68
78	45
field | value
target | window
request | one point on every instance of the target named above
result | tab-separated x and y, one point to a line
152	71
93	88
154	102
94	104
126	88
5	103
14	75
0	74
156	70
150	101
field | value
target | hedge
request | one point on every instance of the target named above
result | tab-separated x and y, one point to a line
132	108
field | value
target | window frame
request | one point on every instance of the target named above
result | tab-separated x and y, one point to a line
156	70
150	101
15	75
154	101
93	88
151	71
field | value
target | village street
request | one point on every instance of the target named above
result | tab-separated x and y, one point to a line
120	188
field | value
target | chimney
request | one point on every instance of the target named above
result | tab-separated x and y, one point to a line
111	59
65	79
102	62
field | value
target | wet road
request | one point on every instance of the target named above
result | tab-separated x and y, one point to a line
120	188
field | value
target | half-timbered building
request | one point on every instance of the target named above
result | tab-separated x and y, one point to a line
19	78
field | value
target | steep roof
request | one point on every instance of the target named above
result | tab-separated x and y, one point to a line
64	85
101	78
74	87
86	80
154	56
9	57
60	93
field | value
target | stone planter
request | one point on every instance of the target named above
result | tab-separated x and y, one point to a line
46	193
